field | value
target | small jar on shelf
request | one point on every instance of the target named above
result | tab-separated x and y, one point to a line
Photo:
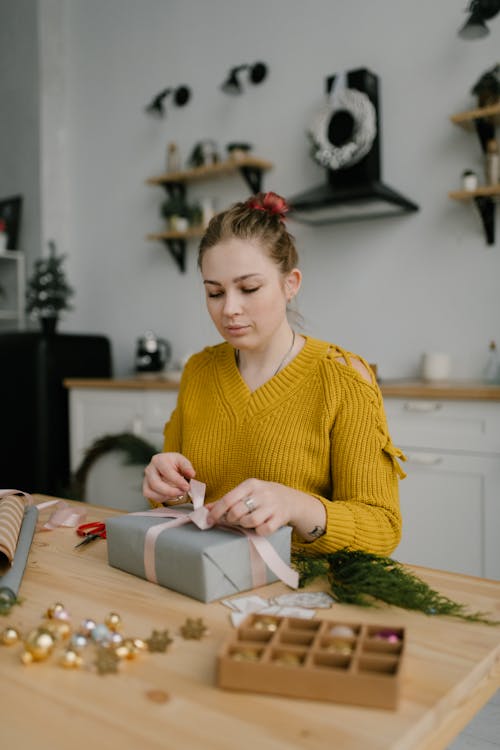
469	180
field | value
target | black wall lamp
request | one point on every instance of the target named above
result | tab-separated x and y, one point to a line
480	11
181	96
257	73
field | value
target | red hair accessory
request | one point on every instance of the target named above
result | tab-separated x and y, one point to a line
271	203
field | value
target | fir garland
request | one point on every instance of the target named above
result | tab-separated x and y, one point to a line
363	579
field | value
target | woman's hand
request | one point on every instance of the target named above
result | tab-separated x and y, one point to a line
166	477
263	506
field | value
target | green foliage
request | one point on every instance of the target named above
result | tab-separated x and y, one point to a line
48	291
364	579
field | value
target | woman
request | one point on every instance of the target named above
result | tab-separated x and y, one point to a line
282	428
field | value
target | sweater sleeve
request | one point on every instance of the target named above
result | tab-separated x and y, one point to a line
363	512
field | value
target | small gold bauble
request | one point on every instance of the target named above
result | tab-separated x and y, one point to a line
71	660
9	636
288	658
122	652
132	649
53	610
26	658
266	623
246	654
113	621
60	629
140	645
40	644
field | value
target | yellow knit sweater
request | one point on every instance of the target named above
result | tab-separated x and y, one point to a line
317	426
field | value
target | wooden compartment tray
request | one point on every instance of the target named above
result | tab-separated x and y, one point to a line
316	659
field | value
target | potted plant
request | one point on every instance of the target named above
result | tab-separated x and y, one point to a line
48	291
179	214
487	88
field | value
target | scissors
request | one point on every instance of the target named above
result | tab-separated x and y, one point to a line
90	532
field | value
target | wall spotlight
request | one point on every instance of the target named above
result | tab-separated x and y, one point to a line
181	96
480	11
256	74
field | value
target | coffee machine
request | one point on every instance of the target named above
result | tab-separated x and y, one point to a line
152	353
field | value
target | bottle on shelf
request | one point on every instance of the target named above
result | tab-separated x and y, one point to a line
492	367
173	158
492	162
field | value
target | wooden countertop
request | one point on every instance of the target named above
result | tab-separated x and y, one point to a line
452	669
454	390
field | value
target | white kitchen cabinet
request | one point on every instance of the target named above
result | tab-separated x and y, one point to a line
450	499
95	412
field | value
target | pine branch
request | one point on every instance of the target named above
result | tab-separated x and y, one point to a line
363	579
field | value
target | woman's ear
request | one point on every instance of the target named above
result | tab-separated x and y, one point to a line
292	283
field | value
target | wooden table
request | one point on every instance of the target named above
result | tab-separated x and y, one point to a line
452	669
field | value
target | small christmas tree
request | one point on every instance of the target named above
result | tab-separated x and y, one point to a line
48	291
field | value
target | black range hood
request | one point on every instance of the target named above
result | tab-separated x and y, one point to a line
351	192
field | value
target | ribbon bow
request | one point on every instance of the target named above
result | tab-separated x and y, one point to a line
261	549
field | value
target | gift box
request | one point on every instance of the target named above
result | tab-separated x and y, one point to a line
204	564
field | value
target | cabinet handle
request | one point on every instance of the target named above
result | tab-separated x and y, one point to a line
422	406
424	459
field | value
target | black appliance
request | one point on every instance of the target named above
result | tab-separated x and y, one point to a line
354	190
34	443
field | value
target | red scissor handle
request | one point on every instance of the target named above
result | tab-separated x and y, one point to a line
94	528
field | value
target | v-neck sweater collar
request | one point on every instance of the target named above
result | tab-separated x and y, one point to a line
270	393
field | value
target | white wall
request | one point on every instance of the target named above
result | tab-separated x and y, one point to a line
19	121
389	288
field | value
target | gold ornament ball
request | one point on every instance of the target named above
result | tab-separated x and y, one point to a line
122	652
9	636
113	621
131	648
60	629
71	660
54	610
39	644
140	644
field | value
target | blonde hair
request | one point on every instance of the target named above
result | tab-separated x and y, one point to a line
260	218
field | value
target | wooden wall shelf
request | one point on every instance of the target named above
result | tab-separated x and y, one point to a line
209	171
467	119
484	121
250	168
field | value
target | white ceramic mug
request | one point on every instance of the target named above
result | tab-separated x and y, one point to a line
436	366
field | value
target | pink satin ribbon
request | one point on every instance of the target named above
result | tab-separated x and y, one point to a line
262	552
63	514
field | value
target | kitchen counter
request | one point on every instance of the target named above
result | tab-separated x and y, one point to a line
459	390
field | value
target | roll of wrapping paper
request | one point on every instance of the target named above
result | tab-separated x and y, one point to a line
11	581
11	517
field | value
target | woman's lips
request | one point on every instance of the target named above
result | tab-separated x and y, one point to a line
237	330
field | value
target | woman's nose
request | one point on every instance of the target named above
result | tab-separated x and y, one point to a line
232	304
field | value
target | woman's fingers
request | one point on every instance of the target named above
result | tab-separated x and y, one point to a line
167	476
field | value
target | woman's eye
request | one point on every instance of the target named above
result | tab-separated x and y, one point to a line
249	291
213	295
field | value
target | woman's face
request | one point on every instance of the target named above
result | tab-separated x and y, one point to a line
246	292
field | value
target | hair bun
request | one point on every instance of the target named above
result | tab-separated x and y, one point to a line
271	203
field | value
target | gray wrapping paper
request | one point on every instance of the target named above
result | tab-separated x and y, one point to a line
205	565
10	582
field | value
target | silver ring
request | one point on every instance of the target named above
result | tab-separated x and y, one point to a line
250	503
